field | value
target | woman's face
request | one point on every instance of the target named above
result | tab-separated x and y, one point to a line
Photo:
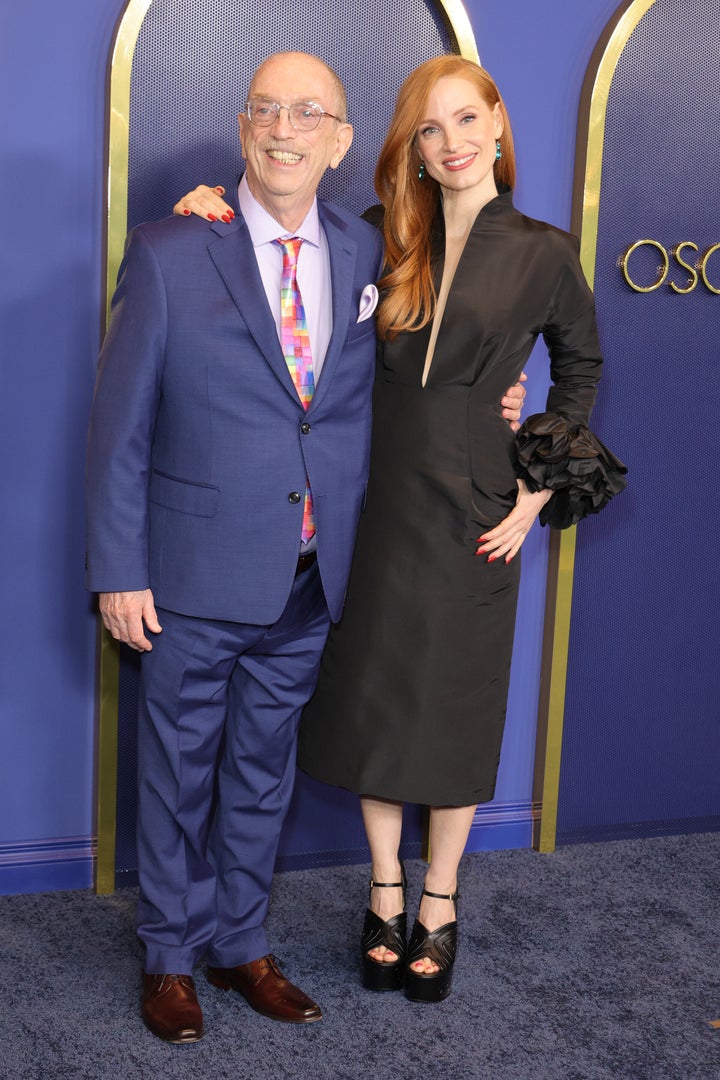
456	137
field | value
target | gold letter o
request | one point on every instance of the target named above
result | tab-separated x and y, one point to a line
663	270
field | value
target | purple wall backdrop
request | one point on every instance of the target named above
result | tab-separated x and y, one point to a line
52	75
642	738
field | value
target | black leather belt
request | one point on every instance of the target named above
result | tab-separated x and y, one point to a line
305	562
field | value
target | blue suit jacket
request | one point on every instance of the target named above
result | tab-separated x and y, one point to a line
196	445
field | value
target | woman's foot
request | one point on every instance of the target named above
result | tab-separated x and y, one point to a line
386	902
431	953
434	912
384	936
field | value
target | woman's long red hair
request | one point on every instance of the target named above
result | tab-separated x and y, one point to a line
408	301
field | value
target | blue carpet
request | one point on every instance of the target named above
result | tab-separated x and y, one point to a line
599	962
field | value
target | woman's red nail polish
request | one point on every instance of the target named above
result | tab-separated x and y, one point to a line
211	217
492	558
186	213
225	218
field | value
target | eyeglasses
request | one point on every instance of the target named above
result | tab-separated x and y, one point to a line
303	116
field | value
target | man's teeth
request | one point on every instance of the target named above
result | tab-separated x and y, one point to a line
284	156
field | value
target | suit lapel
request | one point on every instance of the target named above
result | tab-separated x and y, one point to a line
343	257
234	258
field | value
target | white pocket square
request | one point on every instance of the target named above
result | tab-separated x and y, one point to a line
368	302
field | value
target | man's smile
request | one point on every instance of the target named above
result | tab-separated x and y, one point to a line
285	157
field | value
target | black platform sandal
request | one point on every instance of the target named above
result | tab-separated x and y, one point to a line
439	946
379	974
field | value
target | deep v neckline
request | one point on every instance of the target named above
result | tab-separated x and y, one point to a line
451	260
496	207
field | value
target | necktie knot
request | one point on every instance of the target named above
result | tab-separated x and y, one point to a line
290	249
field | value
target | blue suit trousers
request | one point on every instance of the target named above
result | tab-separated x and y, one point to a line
219	709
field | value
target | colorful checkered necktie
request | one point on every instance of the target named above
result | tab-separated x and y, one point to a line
295	342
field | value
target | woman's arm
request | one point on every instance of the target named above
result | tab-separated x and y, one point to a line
556	449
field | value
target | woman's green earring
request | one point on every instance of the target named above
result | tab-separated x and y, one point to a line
498	151
421	171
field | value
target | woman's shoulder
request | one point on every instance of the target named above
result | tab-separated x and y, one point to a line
502	214
375	215
550	236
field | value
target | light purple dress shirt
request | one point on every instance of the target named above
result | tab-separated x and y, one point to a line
313	269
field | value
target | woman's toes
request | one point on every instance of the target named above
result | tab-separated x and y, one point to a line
382	955
425	966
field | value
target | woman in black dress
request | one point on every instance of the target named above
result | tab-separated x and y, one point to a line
411	701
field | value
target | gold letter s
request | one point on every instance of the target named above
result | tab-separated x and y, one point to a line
691	269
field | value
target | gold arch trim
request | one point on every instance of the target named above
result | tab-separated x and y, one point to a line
590	151
458	23
116	228
118	135
561	565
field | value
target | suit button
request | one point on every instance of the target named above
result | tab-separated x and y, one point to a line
305	428
294	497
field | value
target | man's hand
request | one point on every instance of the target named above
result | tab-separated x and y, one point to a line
124	614
513	402
206	203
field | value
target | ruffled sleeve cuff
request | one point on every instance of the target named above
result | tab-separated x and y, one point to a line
569	459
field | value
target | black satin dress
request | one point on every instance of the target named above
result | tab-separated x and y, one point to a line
412	694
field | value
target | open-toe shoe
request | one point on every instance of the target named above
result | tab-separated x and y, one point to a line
392	933
439	946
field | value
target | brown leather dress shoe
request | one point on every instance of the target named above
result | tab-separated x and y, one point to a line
266	989
170	1008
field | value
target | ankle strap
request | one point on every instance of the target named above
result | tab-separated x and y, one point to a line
442	896
391	884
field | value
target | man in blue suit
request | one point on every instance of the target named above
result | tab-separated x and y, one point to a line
200	455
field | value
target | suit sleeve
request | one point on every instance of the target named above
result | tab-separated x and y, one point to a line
122	424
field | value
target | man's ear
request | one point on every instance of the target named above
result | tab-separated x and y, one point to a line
344	140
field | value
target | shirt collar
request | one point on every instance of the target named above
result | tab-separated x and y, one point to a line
263	227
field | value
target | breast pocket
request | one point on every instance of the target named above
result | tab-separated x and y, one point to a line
359	330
